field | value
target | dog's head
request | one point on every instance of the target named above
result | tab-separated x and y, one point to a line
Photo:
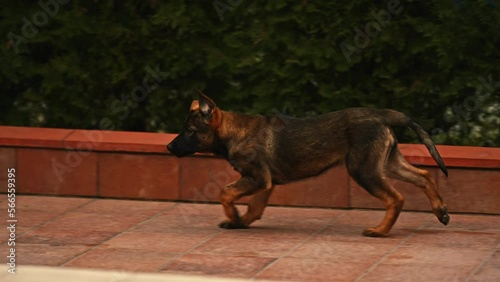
198	131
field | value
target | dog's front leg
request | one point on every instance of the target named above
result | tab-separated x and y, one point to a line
243	187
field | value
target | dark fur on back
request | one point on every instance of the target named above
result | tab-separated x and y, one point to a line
298	139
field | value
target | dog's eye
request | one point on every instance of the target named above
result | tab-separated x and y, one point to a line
189	130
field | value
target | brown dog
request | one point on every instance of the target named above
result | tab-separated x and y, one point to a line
269	150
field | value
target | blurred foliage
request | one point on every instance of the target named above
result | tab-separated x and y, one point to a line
251	56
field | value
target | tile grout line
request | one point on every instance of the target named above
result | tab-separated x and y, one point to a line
162	267
118	234
300	244
390	252
485	261
57	217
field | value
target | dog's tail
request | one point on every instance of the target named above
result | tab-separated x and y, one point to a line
392	117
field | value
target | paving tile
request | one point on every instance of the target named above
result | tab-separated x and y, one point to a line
196	210
235	243
300	213
42	171
274	218
347	233
225	266
138	176
350	226
102	222
279	229
57	205
27	218
295	221
167	224
417	273
5	235
162	242
179	225
65	236
186	218
269	233
456	239
490	271
108	206
486	274
367	218
442	256
414	220
124	259
477	222
293	244
298	269
284	220
203	220
45	254
327	247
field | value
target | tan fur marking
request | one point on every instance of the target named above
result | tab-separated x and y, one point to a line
195	105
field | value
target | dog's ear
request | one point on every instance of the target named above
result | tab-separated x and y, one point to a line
207	106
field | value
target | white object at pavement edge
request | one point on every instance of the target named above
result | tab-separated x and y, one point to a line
28	273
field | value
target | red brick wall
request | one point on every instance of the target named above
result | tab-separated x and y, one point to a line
137	165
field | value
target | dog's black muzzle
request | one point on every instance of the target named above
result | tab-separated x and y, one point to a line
178	150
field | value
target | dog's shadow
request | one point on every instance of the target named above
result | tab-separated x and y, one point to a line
334	230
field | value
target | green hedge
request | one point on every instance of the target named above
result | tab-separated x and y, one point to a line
73	64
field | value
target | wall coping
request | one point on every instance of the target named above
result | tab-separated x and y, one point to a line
147	142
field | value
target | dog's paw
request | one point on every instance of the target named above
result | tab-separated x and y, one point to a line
442	215
372	232
231	225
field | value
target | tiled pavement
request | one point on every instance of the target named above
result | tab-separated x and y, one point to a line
288	244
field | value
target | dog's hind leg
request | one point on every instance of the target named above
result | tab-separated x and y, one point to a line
256	206
381	189
366	165
399	168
